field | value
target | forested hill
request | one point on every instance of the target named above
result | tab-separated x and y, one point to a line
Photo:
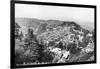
52	41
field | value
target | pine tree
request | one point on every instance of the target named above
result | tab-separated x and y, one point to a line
17	27
32	44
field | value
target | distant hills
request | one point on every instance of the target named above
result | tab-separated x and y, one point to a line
36	23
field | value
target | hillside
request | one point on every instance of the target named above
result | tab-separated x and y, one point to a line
52	41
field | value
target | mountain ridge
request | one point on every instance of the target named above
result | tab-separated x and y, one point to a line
34	23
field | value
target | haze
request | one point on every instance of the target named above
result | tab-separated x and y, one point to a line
83	16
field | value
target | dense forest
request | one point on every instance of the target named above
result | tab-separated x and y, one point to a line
53	42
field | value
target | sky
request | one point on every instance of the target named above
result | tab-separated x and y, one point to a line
77	14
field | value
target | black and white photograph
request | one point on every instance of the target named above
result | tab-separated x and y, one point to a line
53	34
